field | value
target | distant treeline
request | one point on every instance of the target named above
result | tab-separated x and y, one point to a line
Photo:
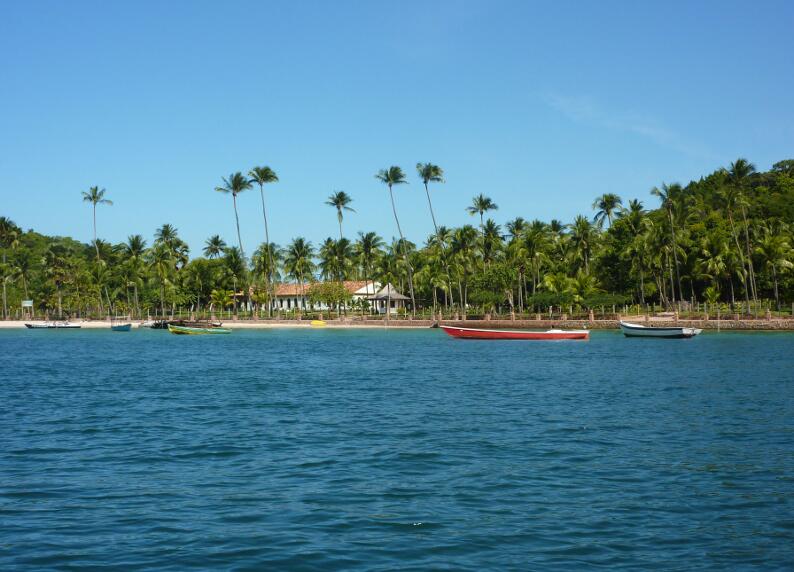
724	238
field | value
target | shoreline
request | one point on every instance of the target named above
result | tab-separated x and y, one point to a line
774	325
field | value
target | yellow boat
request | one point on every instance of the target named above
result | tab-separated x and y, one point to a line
317	323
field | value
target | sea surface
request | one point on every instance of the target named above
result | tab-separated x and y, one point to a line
394	450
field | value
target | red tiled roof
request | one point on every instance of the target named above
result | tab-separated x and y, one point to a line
351	286
290	289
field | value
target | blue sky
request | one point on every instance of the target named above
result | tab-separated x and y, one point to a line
541	106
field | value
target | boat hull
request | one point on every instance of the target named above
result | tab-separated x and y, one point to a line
53	326
483	334
638	331
187	330
121	327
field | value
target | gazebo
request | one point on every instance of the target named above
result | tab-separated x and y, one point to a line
388	296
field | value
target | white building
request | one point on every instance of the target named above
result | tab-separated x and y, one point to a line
292	296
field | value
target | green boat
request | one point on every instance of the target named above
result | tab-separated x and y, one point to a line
191	330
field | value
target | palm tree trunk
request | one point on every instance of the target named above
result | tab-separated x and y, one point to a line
438	238
405	254
5	302
642	287
95	243
741	254
237	222
774	278
750	270
675	255
267	245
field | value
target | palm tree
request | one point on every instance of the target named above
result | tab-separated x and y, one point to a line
161	262
263	176
134	250
298	262
739	173
234	185
166	234
394	176
668	195
634	215
266	261
214	246
96	196
366	251
340	201
515	227
607	204
481	205
583	238
775	250
221	298
234	265
9	233
430	173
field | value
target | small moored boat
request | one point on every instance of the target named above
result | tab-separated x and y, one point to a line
121	327
58	325
192	330
639	331
482	334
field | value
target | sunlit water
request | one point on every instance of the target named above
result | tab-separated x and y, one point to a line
376	450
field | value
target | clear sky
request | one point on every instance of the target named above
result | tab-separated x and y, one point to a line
541	106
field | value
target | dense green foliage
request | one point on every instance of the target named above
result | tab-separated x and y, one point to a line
726	237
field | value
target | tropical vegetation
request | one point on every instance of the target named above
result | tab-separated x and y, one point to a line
725	239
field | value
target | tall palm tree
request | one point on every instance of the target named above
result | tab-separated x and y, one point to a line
263	176
96	196
739	174
669	195
214	246
340	200
481	205
607	204
430	173
234	185
394	176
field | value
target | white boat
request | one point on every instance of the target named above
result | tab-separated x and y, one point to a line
52	325
640	331
146	324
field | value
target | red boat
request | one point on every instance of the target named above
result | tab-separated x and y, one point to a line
480	334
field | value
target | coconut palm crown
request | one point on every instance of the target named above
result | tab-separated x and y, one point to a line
340	200
96	196
235	184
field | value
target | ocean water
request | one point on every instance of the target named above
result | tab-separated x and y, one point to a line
394	450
